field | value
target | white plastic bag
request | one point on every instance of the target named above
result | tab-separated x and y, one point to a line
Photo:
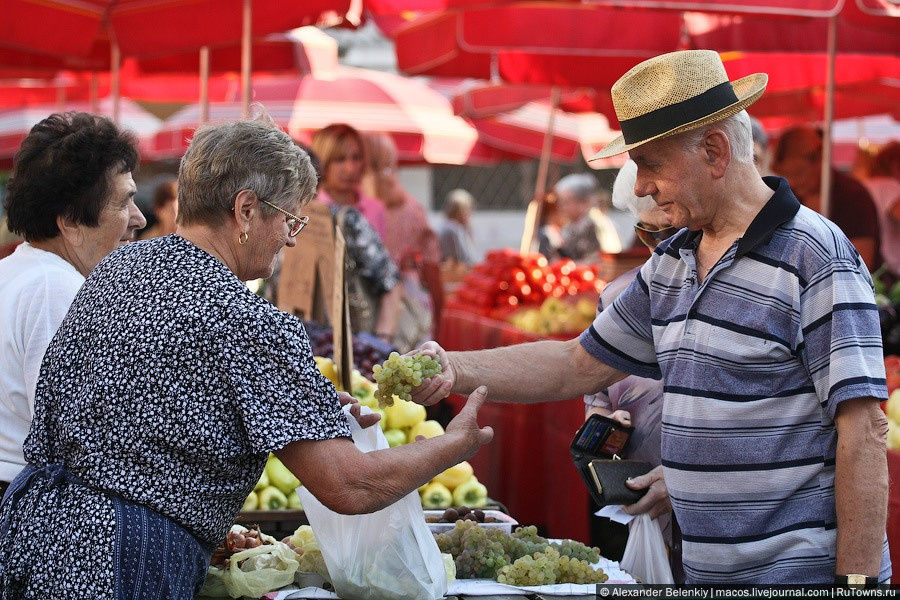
645	556
383	555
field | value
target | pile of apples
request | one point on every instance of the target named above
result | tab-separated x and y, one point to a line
556	317
508	279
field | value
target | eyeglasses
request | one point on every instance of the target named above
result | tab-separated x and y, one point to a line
295	223
650	237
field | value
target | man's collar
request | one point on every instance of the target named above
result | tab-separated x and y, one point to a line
780	209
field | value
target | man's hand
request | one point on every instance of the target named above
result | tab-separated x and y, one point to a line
364	420
656	500
622	416
434	389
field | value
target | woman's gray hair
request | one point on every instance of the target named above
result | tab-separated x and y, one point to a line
623	196
225	158
737	129
583	185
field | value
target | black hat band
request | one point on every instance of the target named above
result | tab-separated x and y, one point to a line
667	118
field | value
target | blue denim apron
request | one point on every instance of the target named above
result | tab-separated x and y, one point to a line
154	558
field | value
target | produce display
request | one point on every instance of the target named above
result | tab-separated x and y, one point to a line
888	302
892	409
508	279
520	558
556	316
399	375
892	370
368	350
466	513
402	422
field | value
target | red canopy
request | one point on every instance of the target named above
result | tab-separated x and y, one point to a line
82	28
420	120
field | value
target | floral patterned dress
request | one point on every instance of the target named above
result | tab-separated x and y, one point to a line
165	387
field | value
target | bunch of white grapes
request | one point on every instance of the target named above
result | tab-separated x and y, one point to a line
399	375
548	567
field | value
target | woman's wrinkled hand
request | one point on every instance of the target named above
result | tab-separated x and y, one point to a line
622	416
466	422
656	501
356	411
434	389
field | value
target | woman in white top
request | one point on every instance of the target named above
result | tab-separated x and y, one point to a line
71	196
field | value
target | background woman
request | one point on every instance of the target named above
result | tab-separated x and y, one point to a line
165	209
73	206
168	384
374	305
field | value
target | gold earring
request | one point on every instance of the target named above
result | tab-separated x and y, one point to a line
242	239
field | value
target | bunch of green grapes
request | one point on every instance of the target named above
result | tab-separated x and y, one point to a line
574	549
477	552
535	569
524	541
399	375
572	570
451	542
481	557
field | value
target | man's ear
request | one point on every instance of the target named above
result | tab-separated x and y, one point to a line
716	151
70	231
244	208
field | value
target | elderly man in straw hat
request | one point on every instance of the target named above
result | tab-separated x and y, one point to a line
759	317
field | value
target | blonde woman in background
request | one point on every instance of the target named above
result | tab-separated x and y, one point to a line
341	154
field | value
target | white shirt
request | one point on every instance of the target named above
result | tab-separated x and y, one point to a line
36	290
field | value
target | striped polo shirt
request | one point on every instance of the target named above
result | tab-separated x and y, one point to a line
755	360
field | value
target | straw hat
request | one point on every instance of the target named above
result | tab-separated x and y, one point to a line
677	92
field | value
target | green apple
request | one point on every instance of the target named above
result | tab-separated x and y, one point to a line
395	437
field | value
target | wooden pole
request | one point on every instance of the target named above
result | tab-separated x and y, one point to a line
204	84
535	207
115	60
825	188
246	64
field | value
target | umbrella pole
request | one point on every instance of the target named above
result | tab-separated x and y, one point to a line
93	93
204	84
535	207
825	188
245	58
115	58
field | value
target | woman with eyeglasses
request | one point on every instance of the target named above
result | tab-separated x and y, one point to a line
633	401
169	382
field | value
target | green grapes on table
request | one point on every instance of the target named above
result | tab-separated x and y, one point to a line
521	558
574	549
535	569
400	375
572	570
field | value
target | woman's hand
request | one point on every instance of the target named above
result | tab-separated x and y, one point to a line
656	500
466	422
434	389
355	410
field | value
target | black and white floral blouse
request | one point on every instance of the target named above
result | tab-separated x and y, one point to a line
167	384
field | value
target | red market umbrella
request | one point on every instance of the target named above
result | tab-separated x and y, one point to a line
148	27
17	122
420	120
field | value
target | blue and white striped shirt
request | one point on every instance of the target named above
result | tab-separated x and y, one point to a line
755	360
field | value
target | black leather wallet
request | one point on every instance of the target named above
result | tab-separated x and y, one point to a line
606	480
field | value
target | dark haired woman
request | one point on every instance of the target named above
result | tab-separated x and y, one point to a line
71	196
